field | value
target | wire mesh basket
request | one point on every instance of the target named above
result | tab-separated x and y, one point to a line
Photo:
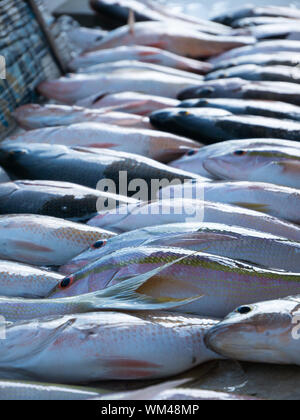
27	58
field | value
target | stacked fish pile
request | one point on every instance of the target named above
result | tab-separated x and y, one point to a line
130	291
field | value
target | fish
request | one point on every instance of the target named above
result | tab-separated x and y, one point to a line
262	47
171	391
262	59
121	173
234	242
266	332
142	54
35	116
269	164
85	38
129	102
183	40
277	201
169	211
261	20
270	109
31	391
194	159
148	143
3	176
104	346
54	198
289	31
24	281
117	13
257	11
258	73
127	66
120	297
237	88
45	241
222	283
75	87
211	125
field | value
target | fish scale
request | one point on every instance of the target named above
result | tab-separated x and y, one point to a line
223	283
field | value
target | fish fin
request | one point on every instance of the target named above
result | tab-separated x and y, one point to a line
131	22
262	208
125	296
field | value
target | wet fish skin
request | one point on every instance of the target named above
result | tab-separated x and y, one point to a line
258	11
130	102
86	38
263	333
148	143
35	116
258	21
85	166
140	353
75	87
262	59
269	164
289	31
258	73
243	89
43	240
227	241
183	40
30	391
165	212
211	125
262	47
277	201
56	199
3	176
117	13
141	54
194	159
222	282
24	281
270	109
127	66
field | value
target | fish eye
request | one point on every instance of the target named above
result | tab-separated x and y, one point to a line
99	244
244	310
66	283
191	152
240	153
184	113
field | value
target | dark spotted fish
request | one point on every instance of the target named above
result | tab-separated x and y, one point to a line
55	198
271	109
258	73
243	89
214	125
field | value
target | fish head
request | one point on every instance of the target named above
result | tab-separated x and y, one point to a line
260	333
242	163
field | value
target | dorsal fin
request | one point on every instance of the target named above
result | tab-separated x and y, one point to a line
131	21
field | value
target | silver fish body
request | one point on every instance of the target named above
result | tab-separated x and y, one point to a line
181	211
30	391
277	201
43	240
104	346
34	116
24	281
195	159
149	143
227	241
